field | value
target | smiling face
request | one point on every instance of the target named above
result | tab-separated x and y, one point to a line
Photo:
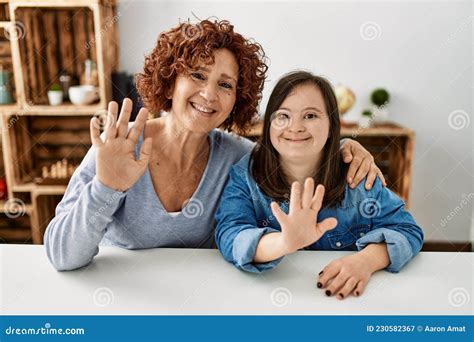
300	127
203	98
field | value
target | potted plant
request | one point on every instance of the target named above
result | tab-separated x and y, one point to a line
55	95
380	98
366	118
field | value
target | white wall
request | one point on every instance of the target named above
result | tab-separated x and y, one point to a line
422	54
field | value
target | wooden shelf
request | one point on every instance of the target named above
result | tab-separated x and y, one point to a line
36	141
40	189
36	134
384	128
28	207
58	3
9	108
66	109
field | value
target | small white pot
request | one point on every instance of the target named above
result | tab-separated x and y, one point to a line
365	121
380	113
55	97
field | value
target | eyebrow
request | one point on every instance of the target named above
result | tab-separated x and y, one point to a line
307	108
222	75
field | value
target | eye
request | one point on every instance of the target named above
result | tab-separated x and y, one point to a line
226	85
311	116
198	76
282	116
280	120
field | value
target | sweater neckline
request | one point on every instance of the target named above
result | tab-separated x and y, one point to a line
193	201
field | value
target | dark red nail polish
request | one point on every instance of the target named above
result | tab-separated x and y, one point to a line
319	285
328	293
357	293
341	295
320	273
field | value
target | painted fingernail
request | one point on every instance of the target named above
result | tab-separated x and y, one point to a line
357	293
369	186
320	273
319	285
341	295
353	185
328	293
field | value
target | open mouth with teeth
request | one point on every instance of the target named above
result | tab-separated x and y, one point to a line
203	110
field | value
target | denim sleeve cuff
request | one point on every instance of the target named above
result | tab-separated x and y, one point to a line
245	247
398	247
104	199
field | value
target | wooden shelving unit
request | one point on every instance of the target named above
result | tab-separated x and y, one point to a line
35	134
60	110
389	143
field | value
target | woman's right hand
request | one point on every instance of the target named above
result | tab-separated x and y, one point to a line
116	165
299	228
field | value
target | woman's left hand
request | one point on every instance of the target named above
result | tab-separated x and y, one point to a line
362	164
345	276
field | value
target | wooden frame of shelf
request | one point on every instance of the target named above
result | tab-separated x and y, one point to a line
392	146
36	189
8	108
102	35
103	68
5	24
58	3
61	110
32	141
28	208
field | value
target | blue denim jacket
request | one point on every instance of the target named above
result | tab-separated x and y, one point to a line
364	216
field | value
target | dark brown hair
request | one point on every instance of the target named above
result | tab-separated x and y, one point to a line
266	168
185	47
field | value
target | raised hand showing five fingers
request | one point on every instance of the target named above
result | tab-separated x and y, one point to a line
299	228
116	164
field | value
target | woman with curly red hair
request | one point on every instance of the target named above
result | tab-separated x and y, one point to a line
157	183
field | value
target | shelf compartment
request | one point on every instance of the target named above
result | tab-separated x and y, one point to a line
15	229
38	141
45	55
84	29
4	10
6	65
45	207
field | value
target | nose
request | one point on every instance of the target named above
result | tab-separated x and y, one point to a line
209	92
296	125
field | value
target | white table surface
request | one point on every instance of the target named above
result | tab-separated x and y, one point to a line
190	281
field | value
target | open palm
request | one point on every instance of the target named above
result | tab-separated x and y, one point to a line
299	228
117	165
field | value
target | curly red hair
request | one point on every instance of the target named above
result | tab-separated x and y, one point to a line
185	47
